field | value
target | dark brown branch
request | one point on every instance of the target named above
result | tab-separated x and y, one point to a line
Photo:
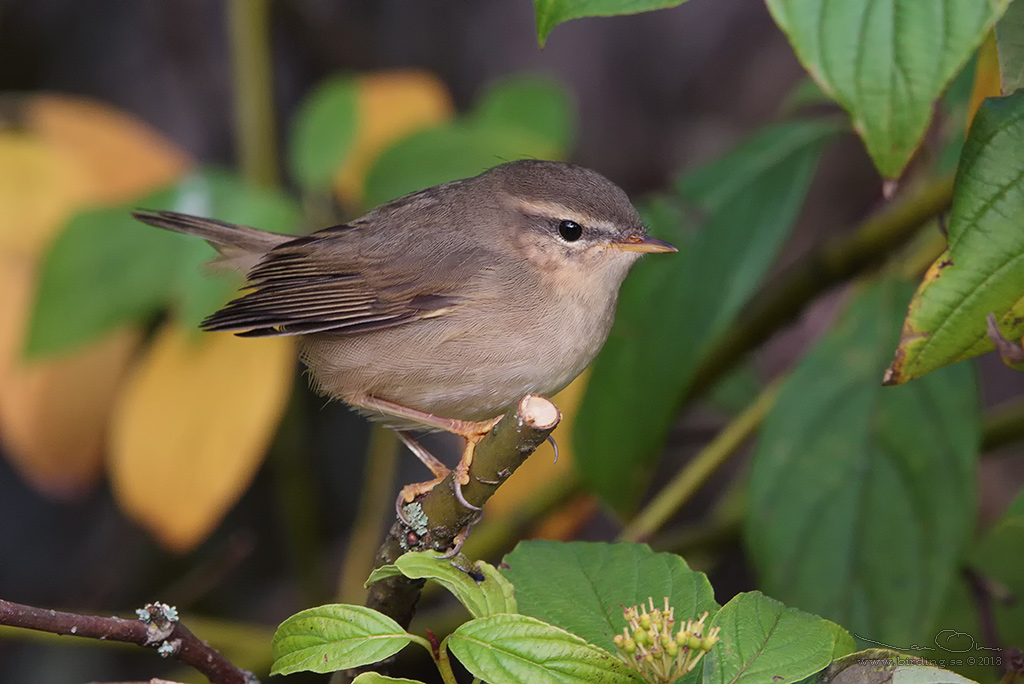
156	627
984	599
1003	425
438	517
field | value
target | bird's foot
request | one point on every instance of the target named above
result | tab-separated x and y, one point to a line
460	538
472	432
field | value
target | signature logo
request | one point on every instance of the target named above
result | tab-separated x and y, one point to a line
949	640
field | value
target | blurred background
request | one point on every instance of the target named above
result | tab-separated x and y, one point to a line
649	97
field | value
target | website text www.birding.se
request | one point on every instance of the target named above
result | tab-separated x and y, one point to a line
951	648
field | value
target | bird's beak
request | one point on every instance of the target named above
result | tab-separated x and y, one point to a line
638	242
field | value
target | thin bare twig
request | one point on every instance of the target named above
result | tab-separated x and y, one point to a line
156	627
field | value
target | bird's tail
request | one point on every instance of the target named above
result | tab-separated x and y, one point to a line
240	247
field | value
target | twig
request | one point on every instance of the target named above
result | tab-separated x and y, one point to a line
830	265
677	492
1004	425
437	518
296	503
981	592
156	627
371	518
249	28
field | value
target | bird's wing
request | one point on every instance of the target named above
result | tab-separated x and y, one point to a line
322	283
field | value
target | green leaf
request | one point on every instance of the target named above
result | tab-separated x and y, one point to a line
512	649
667	322
551	13
1010	40
736	390
997	564
806	93
764	642
862	496
886	61
521	118
377	678
322	133
533	104
199	291
450	152
982	271
103	271
335	637
1000	555
843	642
999	559
106	269
583	587
884	666
480	588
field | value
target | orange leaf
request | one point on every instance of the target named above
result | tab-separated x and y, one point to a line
124	155
390	105
192	427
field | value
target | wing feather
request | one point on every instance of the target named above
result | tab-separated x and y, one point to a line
313	284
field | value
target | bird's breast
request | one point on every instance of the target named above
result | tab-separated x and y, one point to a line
514	336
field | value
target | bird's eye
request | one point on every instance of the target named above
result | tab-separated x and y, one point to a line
570	230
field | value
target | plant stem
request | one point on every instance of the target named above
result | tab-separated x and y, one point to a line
833	263
439	519
296	501
256	139
444	665
1004	425
677	492
160	630
374	505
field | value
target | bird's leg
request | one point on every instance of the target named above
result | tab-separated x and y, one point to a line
472	433
469	430
410	492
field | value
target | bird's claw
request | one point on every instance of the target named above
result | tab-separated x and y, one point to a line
554	445
461	538
457	487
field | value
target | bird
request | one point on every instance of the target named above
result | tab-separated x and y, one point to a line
439	310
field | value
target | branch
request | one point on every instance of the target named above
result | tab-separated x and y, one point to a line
1003	425
372	515
249	29
437	518
833	263
679	490
156	627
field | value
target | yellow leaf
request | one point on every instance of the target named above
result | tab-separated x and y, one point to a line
53	414
986	76
39	188
541	467
124	155
61	155
15	279
390	105
192	426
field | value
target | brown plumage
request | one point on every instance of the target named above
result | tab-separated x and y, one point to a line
449	303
